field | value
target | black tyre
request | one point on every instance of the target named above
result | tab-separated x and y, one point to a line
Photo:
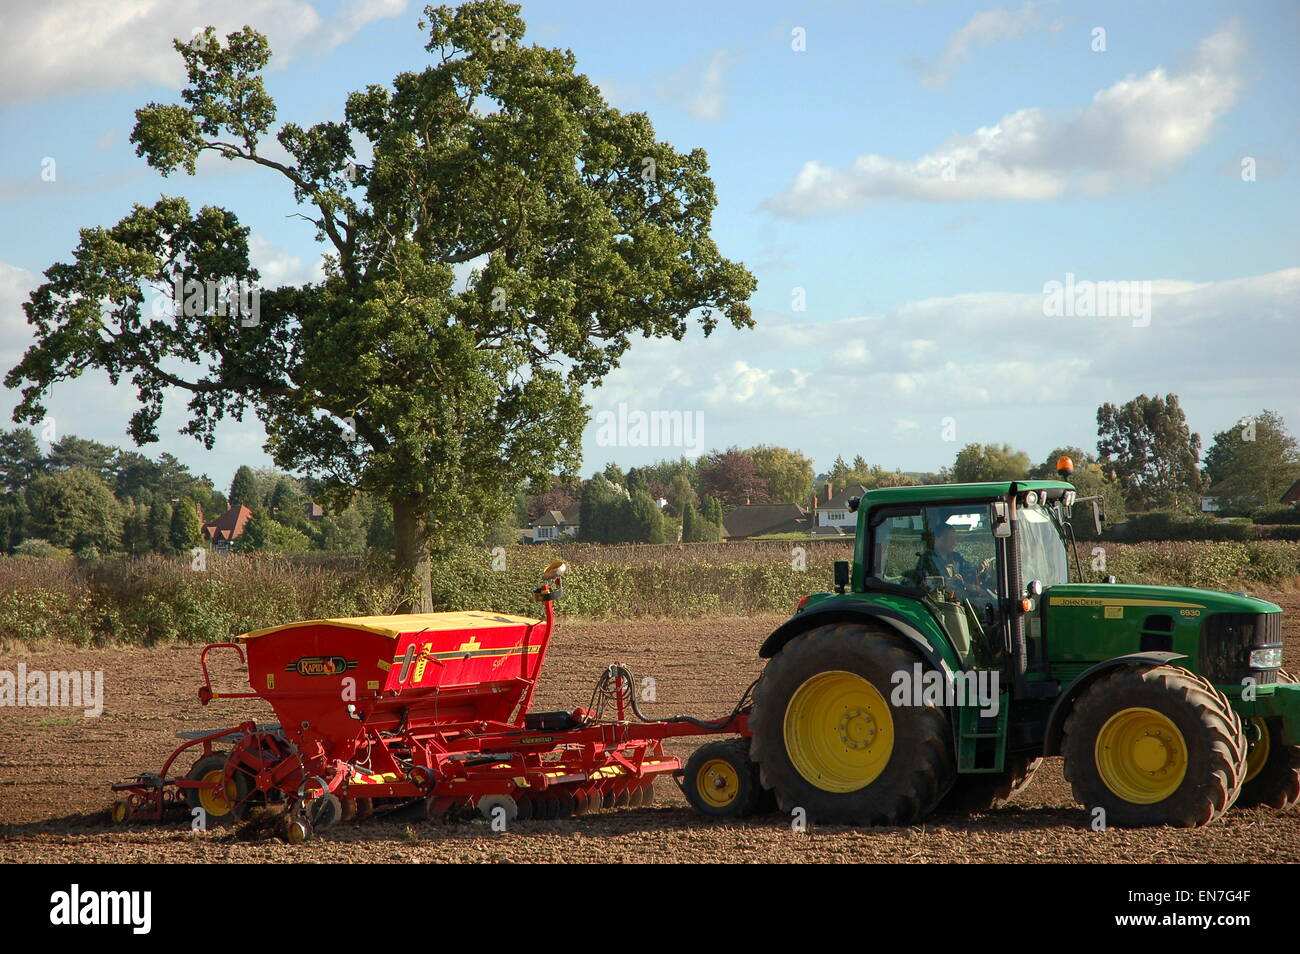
1272	766
1154	745
827	740
984	791
219	808
720	781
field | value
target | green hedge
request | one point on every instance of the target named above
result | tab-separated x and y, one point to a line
155	600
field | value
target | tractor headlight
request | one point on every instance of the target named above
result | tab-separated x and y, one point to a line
1031	498
1268	658
1067	499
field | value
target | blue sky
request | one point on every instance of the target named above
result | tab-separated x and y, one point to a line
917	175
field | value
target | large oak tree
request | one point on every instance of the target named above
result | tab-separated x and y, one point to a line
390	376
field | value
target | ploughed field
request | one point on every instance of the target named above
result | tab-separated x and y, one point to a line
56	766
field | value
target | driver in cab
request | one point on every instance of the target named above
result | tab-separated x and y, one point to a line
944	561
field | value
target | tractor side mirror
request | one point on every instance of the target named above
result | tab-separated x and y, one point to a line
841	575
1001	525
1097	517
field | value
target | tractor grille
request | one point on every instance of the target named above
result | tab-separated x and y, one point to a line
1226	642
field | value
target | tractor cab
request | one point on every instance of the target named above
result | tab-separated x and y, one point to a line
978	556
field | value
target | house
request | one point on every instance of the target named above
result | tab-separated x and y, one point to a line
753	520
227	528
314	511
1292	496
834	512
1210	499
552	526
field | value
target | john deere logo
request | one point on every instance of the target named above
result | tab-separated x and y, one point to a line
321	666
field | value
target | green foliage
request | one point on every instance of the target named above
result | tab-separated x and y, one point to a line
788	473
1252	463
387	377
185	531
980	462
37	548
244	489
1147	446
160	526
74	509
646	523
157	599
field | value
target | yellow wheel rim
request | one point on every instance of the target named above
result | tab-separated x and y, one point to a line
212	801
718	783
1257	756
1141	756
839	732
119	811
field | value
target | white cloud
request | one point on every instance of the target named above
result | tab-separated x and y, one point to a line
983	29
57	47
887	380
1130	133
700	89
278	267
15	285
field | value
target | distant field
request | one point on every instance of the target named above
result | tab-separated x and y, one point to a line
154	600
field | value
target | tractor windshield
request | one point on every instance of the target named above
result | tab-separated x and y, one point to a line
1042	551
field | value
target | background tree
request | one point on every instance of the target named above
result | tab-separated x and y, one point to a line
733	478
185	531
689	518
1254	461
602	514
72	451
74	509
1147	446
160	525
980	462
135	530
788	473
713	512
243	489
647	522
388	377
1089	479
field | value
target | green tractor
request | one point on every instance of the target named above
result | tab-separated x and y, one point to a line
956	653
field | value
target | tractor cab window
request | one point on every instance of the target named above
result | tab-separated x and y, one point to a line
950	552
1042	551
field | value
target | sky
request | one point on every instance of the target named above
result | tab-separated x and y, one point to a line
969	222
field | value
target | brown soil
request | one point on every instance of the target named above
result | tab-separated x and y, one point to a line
56	766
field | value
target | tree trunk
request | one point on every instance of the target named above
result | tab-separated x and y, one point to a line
411	549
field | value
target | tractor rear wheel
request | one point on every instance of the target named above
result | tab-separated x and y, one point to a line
986	790
827	740
720	781
1154	745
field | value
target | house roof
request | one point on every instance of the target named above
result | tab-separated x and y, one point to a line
1217	488
553	518
1292	495
841	500
751	520
229	525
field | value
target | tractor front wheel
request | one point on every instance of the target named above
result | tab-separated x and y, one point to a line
1272	768
827	739
1154	745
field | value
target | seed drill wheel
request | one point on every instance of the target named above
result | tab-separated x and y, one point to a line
216	800
826	739
1154	745
985	790
1272	767
720	781
492	806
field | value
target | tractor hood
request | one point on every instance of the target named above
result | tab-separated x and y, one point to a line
1174	597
